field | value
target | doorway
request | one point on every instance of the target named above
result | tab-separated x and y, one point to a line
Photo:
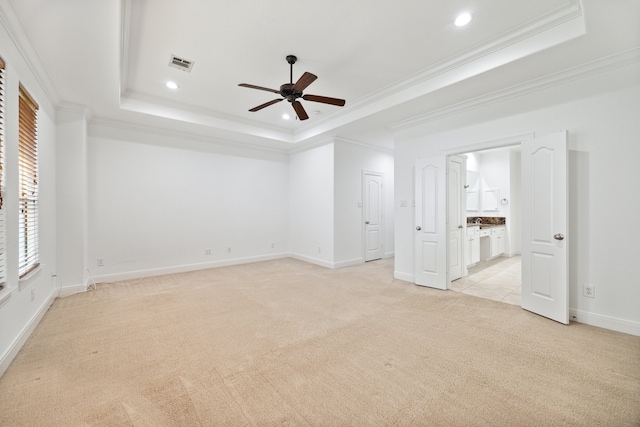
493	190
545	279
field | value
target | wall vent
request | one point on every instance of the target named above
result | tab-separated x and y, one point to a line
181	63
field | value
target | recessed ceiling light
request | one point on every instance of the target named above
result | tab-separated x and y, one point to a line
172	85
463	19
286	116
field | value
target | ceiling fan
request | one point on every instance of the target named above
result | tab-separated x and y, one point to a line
291	92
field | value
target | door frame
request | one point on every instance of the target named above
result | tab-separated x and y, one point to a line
364	214
510	141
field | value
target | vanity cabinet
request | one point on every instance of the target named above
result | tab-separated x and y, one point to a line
472	255
497	241
492	242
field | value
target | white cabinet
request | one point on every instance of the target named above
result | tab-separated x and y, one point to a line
492	242
497	241
472	254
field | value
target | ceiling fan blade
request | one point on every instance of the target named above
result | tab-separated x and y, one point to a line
324	100
302	115
258	87
266	104
305	80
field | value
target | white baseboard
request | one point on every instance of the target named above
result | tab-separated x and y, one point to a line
65	291
311	260
348	263
138	274
389	255
606	322
22	338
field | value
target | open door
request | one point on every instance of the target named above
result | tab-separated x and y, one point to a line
545	282
430	262
457	215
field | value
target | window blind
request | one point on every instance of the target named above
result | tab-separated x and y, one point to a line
28	169
3	258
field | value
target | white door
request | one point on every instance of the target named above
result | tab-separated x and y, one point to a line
456	169
373	208
430	264
545	289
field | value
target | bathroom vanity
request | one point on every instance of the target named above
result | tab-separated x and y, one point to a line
485	239
492	241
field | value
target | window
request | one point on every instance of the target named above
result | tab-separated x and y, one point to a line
29	259
3	258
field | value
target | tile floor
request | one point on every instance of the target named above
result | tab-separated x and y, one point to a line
498	279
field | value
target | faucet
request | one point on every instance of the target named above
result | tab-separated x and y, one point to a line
478	220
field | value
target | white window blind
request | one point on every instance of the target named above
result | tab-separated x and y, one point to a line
3	257
28	168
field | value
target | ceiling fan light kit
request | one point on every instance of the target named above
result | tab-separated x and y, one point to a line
292	91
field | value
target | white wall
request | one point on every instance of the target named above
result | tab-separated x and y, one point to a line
21	307
494	171
311	205
350	161
72	199
501	169
603	151
156	203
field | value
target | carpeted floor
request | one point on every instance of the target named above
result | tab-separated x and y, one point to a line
288	343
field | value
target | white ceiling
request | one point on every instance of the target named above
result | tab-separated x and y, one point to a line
391	61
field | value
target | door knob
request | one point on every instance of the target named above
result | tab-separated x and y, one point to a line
559	236
366	222
418	228
459	226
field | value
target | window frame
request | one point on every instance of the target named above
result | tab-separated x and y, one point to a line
3	243
28	195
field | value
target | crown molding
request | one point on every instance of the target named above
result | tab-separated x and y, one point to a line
311	144
11	22
77	109
145	104
98	122
365	145
599	66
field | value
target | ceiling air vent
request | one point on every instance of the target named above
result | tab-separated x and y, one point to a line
181	63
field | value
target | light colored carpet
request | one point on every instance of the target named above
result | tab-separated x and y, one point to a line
288	343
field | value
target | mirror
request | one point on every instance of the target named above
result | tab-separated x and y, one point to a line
473	191
490	200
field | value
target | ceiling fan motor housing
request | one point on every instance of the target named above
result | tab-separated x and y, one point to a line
287	92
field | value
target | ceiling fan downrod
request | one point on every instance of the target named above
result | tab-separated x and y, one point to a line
291	59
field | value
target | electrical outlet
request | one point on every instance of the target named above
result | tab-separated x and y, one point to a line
589	291
207	251
273	245
100	262
228	249
319	250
